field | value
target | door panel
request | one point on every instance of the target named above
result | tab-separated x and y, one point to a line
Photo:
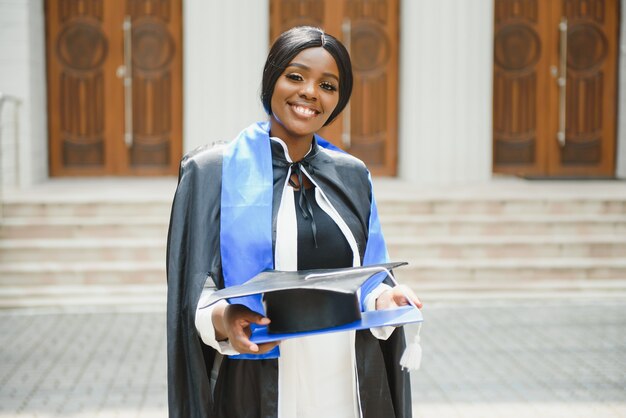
77	61
90	110
534	49
520	86
367	128
156	92
591	89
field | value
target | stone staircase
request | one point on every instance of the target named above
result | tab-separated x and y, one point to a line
510	241
93	243
85	242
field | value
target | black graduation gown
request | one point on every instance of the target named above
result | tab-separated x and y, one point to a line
193	256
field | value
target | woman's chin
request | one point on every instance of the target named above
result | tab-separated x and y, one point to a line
298	129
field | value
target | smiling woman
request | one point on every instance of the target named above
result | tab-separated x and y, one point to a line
280	197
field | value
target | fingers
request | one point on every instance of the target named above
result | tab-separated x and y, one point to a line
401	293
264	348
242	344
239	336
238	319
397	296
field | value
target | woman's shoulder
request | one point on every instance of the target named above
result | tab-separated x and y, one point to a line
344	161
204	156
347	170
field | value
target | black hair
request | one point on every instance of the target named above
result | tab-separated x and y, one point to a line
291	43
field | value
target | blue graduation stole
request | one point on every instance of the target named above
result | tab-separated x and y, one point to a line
246	218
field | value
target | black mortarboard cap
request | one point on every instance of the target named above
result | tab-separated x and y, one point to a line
307	302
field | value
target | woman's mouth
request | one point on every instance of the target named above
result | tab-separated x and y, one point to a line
304	111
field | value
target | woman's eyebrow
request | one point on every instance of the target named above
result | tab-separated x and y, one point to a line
306	67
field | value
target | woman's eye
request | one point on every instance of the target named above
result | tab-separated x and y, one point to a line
294	77
328	86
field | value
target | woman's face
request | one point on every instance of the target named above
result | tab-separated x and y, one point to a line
305	95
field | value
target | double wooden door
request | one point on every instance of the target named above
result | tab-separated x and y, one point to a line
114	86
367	128
555	89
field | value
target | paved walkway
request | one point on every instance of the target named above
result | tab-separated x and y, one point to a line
553	357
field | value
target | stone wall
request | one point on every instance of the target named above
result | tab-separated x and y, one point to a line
22	75
446	60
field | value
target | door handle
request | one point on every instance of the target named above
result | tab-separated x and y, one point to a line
346	134
125	72
562	81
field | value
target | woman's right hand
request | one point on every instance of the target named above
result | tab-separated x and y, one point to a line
233	323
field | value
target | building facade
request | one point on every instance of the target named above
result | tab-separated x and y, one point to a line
446	91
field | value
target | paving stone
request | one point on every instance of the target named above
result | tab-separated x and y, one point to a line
511	358
532	354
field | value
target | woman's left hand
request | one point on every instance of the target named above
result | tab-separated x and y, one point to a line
397	296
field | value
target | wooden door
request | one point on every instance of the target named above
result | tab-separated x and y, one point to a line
114	87
368	127
555	88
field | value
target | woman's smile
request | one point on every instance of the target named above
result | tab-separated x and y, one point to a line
304	110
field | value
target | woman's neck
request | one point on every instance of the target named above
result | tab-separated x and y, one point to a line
298	149
297	146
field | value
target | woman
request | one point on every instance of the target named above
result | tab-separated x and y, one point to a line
279	197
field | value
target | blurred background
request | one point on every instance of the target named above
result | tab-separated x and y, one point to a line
495	131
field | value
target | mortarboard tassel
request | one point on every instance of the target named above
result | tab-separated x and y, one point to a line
412	357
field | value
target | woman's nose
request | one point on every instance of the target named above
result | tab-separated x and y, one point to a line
309	91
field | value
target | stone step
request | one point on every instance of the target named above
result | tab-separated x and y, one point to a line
138	207
154	249
65	227
152	297
500	206
496	247
140	298
520	224
393	225
73	206
493	271
127	296
431	287
81	273
485	271
83	249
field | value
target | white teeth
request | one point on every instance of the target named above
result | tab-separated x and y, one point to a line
304	110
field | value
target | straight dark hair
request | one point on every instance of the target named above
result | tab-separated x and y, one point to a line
291	43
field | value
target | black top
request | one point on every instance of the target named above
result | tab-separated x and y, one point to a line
321	245
333	250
